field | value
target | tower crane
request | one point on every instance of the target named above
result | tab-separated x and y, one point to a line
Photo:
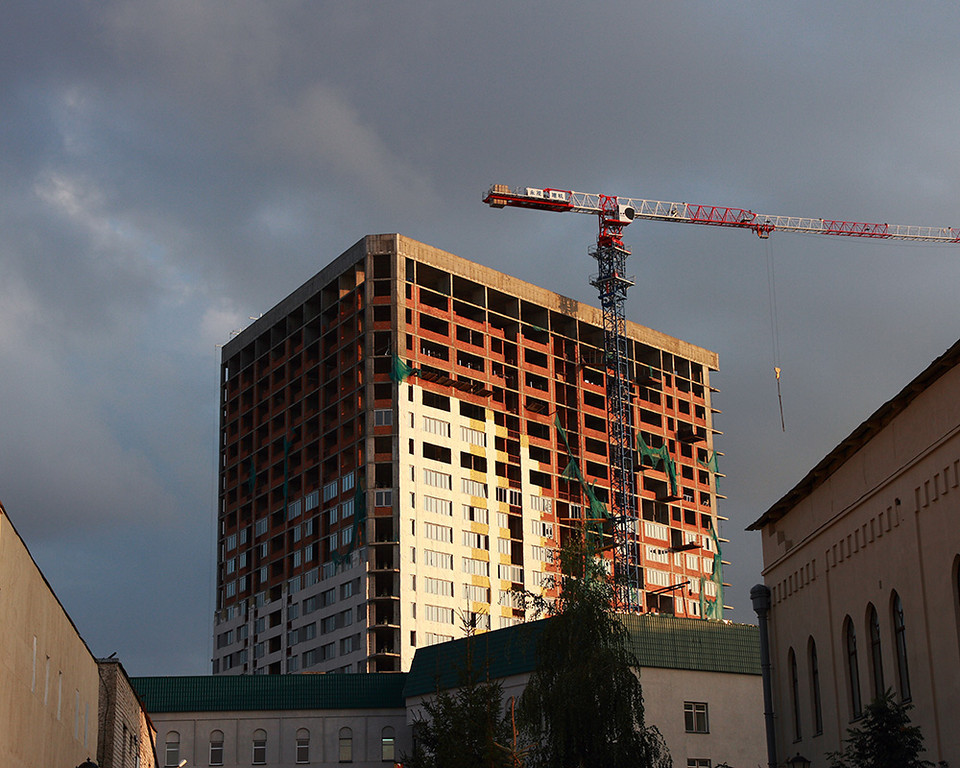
614	213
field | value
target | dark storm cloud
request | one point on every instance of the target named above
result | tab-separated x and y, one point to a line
172	168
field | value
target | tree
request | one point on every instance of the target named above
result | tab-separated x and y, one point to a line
464	728
884	739
583	704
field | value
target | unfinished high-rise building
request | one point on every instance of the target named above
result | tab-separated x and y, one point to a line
407	438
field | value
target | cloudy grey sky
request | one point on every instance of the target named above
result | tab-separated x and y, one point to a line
170	169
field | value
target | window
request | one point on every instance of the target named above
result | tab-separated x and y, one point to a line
303	745
350	644
259	747
438	559
900	635
382	418
476	567
476	514
476	540
795	694
473	488
437	479
815	689
695	718
477	593
439	614
216	748
438	586
438	532
436	426
698	762
541	504
473	436
875	657
853	673
437	453
171	757
506	572
387	745
346	745
438	506
329	490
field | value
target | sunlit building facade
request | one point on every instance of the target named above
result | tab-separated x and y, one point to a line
862	563
404	440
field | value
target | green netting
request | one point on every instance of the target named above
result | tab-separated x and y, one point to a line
711	463
713	609
572	471
400	371
655	456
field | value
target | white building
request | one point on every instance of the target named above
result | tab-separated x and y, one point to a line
701	685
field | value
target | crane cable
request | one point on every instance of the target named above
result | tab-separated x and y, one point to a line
774	325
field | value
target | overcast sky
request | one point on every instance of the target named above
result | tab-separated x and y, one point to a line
170	169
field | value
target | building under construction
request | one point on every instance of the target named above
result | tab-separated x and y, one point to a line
407	438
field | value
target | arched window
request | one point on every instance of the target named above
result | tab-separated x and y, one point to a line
900	638
216	748
795	694
303	745
876	658
388	747
346	745
259	756
956	593
853	671
171	752
815	687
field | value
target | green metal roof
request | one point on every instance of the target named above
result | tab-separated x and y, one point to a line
231	693
667	642
661	642
501	653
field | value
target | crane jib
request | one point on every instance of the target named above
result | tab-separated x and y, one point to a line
562	201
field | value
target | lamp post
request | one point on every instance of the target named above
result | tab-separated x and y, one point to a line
798	761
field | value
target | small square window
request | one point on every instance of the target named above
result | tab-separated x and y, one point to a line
695	718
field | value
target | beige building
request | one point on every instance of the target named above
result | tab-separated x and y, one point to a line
48	677
861	559
127	736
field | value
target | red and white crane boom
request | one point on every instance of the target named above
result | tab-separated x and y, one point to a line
630	208
614	213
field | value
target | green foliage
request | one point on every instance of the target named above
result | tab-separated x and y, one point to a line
465	728
583	705
884	739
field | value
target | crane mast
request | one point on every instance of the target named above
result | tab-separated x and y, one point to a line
611	281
